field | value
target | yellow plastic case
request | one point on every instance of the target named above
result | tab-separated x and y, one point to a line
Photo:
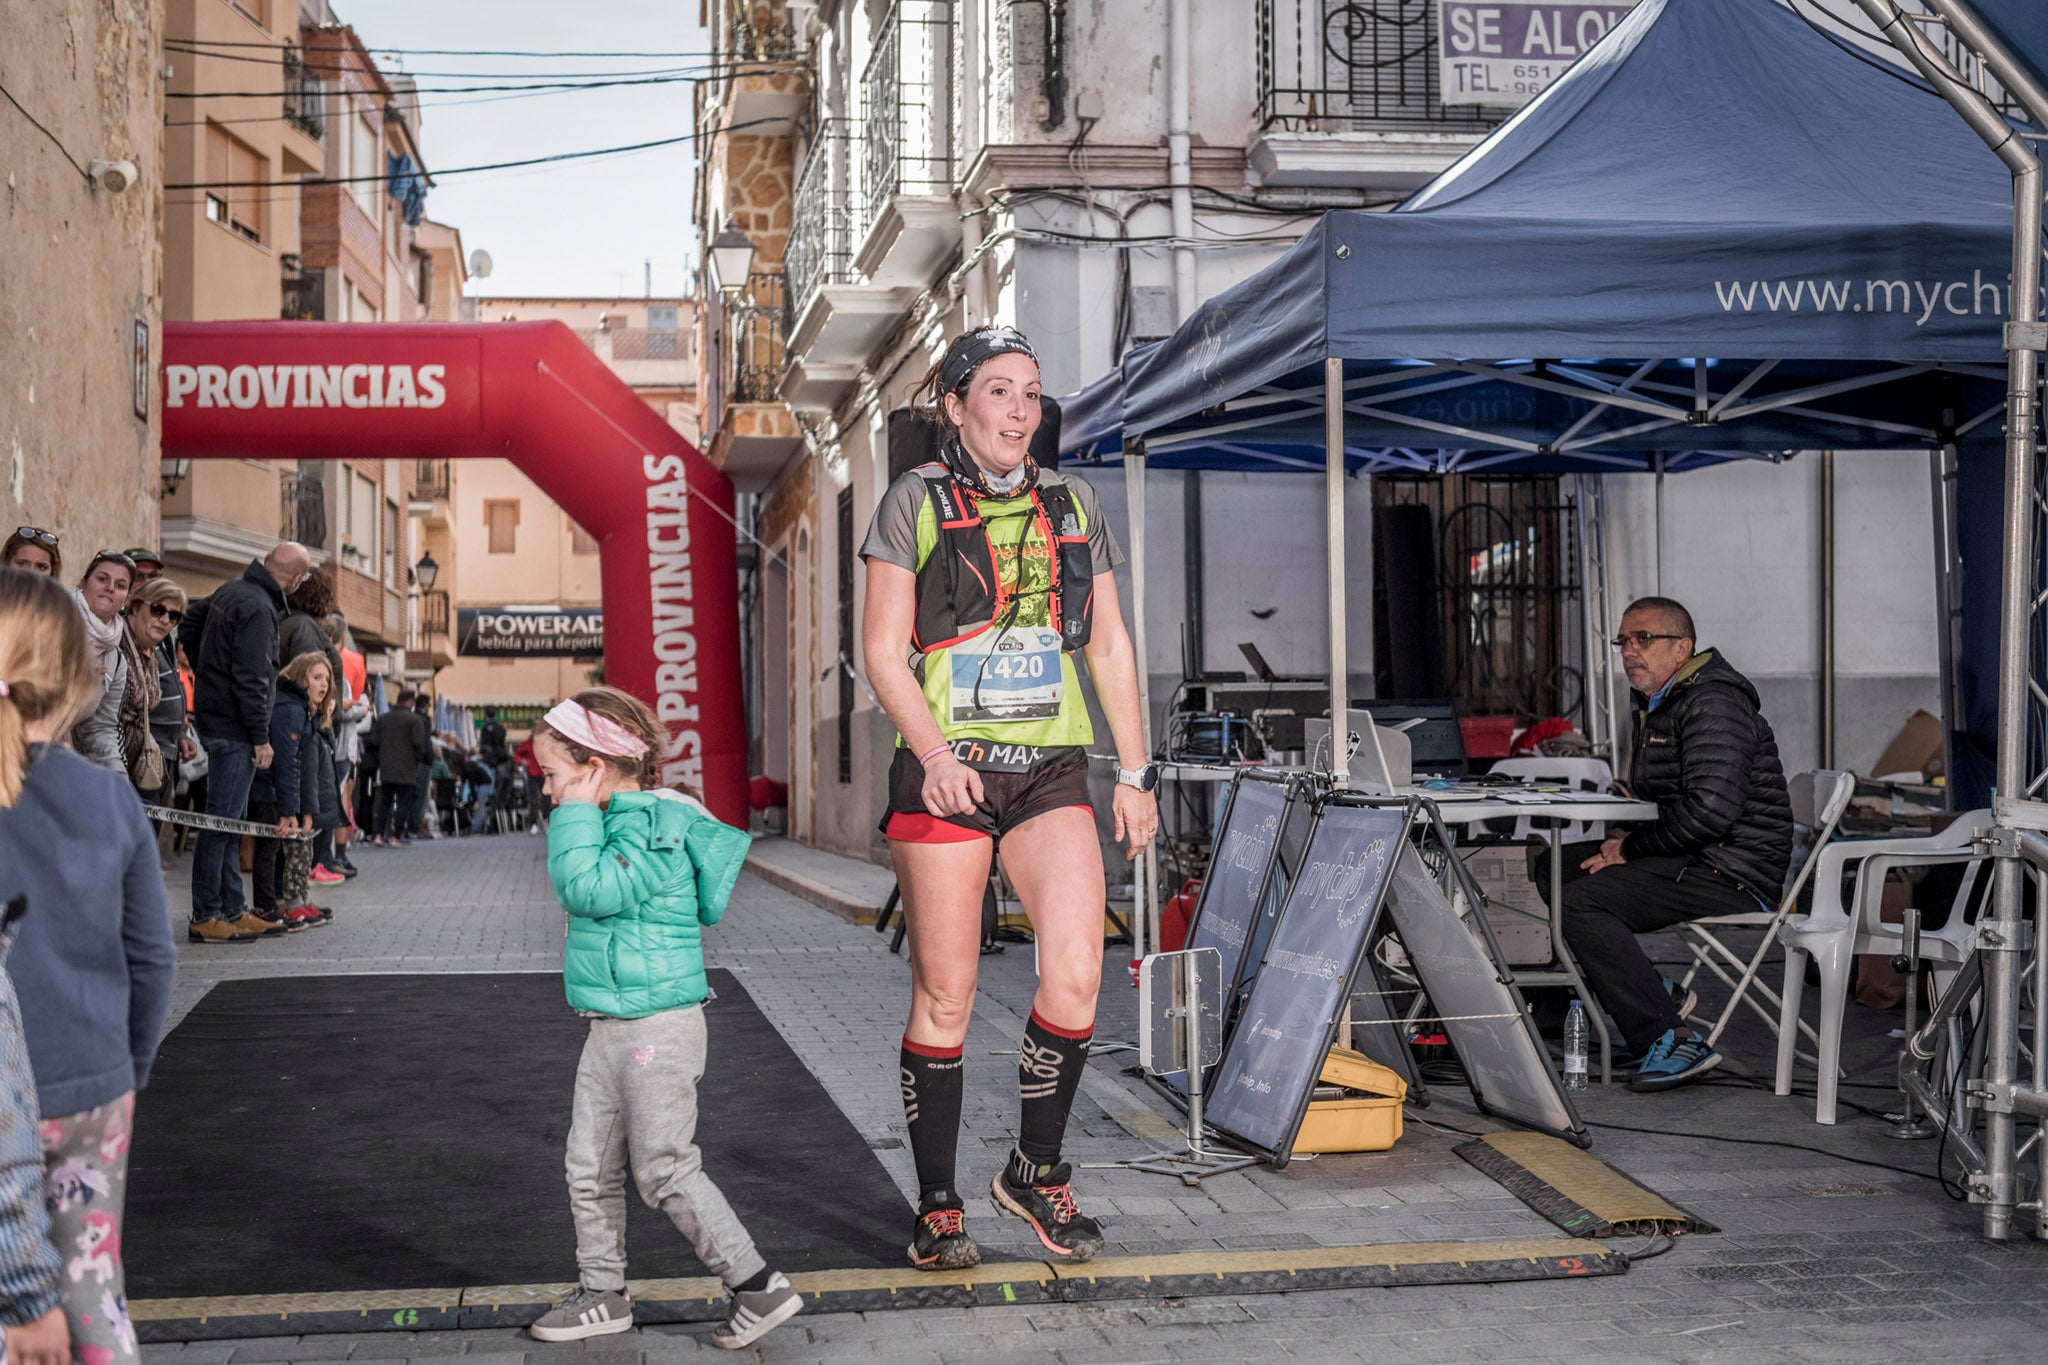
1368	1122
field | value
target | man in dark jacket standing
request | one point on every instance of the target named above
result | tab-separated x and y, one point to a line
235	681
401	760
1720	845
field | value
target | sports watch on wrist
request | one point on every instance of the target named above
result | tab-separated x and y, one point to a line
1145	777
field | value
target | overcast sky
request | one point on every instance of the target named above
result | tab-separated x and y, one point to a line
577	227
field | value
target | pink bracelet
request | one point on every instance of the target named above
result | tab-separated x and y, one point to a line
926	756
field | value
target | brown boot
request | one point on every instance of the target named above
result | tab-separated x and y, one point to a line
216	931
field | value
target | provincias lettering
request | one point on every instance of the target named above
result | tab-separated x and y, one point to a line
306	386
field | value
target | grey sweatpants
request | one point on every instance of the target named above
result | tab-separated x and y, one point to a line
636	1103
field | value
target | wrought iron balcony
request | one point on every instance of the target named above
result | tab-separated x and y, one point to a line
820	249
1334	66
304	97
754	340
302	497
908	98
754	39
431	481
305	294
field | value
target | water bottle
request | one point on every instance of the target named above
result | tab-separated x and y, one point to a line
1576	1031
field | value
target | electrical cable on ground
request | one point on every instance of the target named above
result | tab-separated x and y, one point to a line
37	124
1765	1142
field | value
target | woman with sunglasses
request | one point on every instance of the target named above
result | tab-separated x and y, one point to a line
154	612
101	593
34	549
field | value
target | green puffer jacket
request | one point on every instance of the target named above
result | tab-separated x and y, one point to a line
639	880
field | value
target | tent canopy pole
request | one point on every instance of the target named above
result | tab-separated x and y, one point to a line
1144	873
1333	530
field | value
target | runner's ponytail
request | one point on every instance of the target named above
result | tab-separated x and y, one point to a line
45	668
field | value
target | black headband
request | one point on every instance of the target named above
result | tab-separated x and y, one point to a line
977	348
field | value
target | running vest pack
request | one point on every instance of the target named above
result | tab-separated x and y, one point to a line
960	594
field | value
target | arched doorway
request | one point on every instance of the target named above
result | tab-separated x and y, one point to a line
531	393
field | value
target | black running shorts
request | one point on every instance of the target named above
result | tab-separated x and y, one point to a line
1010	796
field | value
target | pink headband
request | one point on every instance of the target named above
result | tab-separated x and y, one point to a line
599	734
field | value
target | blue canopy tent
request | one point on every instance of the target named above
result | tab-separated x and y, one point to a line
1721	234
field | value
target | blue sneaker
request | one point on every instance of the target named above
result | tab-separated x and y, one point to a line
1673	1061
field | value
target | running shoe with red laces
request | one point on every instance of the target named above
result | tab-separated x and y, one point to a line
1047	1203
305	917
942	1243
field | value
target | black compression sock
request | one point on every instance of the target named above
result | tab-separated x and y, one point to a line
932	1086
756	1284
1049	1067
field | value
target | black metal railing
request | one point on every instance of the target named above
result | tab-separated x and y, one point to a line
302	498
820	249
754	340
305	295
305	98
432	480
430	612
1329	66
908	97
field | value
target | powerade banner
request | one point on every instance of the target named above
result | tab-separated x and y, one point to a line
1505	52
528	632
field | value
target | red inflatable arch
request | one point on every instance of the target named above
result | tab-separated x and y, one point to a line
529	392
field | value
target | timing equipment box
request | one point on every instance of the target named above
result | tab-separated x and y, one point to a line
1515	905
1356	1106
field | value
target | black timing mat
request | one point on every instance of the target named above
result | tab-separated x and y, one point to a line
309	1134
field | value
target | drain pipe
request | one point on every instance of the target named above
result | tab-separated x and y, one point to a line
1179	161
1999	934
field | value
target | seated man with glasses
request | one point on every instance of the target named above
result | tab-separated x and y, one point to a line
1720	844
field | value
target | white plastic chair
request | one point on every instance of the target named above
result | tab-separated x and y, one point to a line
1832	935
1818	801
1582	774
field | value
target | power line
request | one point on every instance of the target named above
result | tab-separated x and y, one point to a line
303	64
54	142
461	170
440	90
400	103
472	51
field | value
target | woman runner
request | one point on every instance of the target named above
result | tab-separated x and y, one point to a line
985	576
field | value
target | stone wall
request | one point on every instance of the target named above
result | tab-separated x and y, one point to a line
82	265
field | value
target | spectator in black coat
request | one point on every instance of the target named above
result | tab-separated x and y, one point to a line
233	647
1720	845
402	759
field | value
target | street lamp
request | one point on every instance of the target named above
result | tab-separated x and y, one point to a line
426	571
731	255
171	473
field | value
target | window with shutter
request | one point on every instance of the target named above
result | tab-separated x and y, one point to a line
502	517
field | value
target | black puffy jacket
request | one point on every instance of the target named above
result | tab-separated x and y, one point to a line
1707	757
232	642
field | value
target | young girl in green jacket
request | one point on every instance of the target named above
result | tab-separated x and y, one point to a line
640	869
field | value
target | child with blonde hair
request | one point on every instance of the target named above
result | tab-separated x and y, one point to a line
641	870
92	959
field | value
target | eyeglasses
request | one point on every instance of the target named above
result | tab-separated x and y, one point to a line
38	535
1640	639
158	609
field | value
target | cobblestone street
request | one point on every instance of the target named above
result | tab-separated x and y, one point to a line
1818	1259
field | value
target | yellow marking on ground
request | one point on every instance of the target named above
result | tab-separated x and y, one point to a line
363	1301
1218	1265
1143	1123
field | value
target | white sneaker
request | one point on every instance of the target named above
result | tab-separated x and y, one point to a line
754	1314
585	1313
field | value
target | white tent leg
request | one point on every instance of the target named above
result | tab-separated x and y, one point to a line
1333	530
1145	873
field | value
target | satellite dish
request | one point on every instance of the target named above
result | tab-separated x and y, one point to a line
479	263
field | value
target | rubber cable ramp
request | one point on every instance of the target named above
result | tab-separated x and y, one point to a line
845	1291
1575	1189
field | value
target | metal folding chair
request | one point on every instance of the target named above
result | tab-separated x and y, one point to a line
1819	799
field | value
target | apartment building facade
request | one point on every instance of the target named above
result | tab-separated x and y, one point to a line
309	207
1087	171
81	282
502	546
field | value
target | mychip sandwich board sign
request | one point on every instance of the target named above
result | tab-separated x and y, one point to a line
1472	994
1262	1086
